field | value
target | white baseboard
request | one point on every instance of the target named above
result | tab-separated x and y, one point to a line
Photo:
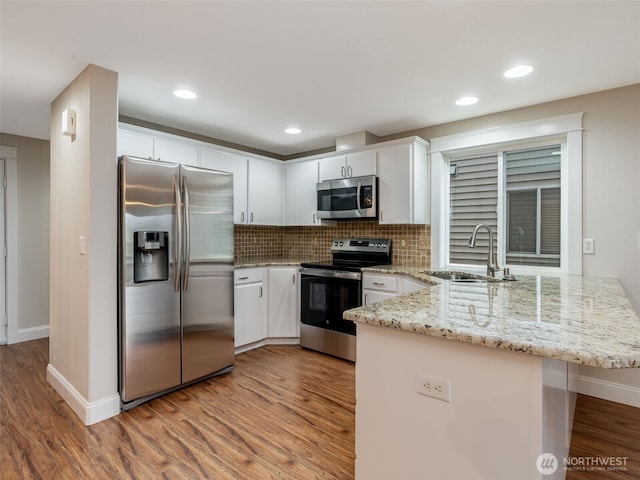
89	412
283	341
33	333
615	392
268	341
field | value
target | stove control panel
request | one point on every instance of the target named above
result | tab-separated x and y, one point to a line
361	245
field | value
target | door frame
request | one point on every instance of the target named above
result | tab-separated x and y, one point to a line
9	333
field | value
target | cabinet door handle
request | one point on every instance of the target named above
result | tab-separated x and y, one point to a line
381	284
349	171
342	171
314	218
293	278
382	215
243	278
241	217
251	217
366	299
260	292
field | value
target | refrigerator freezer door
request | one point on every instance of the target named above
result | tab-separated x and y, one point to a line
149	311
207	301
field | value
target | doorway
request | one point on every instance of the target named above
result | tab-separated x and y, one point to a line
8	241
3	256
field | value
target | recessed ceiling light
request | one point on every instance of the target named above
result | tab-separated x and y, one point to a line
519	71
466	101
293	131
185	94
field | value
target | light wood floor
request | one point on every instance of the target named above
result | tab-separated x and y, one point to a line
283	413
604	429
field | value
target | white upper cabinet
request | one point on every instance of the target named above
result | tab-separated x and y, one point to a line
265	192
362	163
272	192
333	167
257	186
356	164
232	163
135	144
300	193
176	151
403	184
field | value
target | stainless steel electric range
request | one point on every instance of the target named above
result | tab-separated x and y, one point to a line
329	288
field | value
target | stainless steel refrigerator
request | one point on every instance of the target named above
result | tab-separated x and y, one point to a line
175	277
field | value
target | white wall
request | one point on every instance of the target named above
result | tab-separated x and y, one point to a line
611	191
32	213
83	304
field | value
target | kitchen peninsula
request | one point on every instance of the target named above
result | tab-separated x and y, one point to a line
501	387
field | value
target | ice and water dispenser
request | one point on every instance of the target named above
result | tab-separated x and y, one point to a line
151	256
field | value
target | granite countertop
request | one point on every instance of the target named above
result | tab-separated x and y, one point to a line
584	320
267	262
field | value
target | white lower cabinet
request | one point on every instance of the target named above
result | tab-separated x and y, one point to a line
378	287
410	285
283	325
266	307
250	324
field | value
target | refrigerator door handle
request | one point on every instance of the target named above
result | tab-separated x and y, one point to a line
187	236
178	264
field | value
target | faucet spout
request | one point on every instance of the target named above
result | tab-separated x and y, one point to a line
492	260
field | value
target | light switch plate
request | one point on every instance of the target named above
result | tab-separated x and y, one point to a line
82	245
69	122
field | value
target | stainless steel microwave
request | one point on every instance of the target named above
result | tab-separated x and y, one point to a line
353	197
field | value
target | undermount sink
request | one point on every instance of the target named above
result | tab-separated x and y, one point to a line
461	277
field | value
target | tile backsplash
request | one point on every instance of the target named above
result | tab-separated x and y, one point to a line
411	244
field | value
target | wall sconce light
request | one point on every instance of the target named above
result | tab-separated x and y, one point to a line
69	122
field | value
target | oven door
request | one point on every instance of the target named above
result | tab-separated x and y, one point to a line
325	295
347	198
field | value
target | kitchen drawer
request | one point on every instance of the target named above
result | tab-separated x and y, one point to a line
247	275
387	283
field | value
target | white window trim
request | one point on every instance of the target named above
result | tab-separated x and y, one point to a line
568	126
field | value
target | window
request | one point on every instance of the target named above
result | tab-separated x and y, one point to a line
473	200
530	199
533	206
524	181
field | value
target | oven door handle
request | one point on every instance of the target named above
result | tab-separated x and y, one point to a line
316	272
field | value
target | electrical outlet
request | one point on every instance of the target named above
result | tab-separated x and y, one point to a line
434	387
588	246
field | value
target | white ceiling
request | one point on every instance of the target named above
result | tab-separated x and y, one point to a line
330	68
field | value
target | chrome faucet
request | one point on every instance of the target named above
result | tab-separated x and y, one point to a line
492	261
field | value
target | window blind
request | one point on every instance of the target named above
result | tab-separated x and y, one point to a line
533	206
530	199
473	200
